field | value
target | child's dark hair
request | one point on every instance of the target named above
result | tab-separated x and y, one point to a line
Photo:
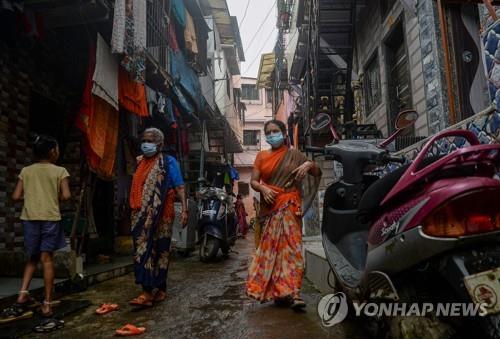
42	145
278	123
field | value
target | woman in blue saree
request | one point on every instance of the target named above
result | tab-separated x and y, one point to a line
154	187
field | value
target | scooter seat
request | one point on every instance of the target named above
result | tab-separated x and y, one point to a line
373	196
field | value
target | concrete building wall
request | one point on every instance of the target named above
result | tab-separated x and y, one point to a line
371	37
257	113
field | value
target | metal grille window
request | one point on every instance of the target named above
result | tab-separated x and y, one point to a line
372	86
251	137
269	96
157	30
249	92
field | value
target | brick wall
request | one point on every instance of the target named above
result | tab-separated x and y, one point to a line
23	68
15	86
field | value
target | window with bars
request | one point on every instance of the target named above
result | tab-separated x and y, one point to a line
372	86
249	92
269	96
157	30
251	137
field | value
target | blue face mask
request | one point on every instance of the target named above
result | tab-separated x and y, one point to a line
149	149
275	140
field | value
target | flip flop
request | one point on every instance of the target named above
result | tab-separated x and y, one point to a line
130	330
106	308
15	312
48	325
141	300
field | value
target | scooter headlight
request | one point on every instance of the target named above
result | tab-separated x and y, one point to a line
471	213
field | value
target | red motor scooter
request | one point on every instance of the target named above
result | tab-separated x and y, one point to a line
428	231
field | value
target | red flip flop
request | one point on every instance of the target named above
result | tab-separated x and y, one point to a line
130	330
106	308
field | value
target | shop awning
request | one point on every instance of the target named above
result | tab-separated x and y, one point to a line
266	69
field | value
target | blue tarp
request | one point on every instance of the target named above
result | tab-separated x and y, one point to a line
185	105
185	77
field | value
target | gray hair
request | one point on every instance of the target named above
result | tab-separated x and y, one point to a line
156	133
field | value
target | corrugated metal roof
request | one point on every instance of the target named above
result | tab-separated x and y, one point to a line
229	33
266	68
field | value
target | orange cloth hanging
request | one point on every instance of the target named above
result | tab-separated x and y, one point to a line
132	94
99	122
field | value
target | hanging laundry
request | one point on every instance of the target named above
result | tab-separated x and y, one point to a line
99	122
103	136
131	94
169	111
152	99
105	76
172	37
190	34
129	36
179	11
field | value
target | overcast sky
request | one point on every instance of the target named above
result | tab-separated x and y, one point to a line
249	26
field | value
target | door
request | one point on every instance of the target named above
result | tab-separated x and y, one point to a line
466	58
398	71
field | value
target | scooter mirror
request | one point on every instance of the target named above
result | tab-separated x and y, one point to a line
320	121
406	119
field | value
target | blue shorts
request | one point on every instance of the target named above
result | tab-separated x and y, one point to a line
43	236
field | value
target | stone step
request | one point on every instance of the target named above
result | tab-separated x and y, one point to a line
317	266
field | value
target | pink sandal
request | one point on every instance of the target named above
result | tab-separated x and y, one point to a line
130	330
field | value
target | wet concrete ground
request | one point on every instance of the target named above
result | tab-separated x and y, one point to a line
205	301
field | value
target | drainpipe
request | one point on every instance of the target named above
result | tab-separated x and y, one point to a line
447	64
202	153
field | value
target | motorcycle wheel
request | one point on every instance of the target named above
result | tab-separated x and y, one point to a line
209	248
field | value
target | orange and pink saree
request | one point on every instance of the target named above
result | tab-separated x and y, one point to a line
277	268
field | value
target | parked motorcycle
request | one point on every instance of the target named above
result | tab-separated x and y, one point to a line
428	231
217	223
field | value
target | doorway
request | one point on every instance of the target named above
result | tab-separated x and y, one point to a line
398	77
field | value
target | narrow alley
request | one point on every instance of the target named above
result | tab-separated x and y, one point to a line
205	301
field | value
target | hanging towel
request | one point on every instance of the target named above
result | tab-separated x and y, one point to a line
172	38
99	122
190	34
105	79
132	95
129	36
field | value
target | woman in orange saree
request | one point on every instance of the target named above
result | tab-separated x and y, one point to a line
277	268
